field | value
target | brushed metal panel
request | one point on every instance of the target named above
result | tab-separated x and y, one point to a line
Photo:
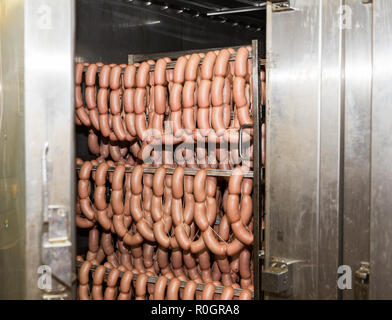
381	154
331	149
358	88
303	155
49	118
12	174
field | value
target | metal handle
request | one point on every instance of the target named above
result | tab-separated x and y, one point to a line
45	195
242	157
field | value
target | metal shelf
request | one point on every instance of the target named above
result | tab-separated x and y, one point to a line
187	171
153	279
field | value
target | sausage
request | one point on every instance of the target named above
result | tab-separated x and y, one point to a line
234	247
203	94
141	286
208	291
208	66
129	76
188	92
78	73
110	292
233	212
114	79
241	233
142	75
98	277
160	288
221	63
173	288
241	62
125	286
189	290
245	271
227	293
93	144
104	76
93	240
199	185
90	96
245	294
160	96
216	247
84	271
179	70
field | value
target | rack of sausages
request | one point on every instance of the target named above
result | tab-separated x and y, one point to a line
147	107
159	224
152	197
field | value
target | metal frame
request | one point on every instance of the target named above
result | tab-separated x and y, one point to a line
257	171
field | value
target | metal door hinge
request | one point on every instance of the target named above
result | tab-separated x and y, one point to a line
280	6
361	282
278	277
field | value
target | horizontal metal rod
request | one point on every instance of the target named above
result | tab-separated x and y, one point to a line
153	279
172	64
187	171
262	6
132	58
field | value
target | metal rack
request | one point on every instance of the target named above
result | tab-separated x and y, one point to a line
187	171
256	174
172	64
153	279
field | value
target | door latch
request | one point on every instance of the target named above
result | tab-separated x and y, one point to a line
361	282
56	240
57	248
277	278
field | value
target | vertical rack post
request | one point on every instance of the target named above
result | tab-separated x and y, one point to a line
256	167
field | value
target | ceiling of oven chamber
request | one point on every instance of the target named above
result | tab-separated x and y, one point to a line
109	30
